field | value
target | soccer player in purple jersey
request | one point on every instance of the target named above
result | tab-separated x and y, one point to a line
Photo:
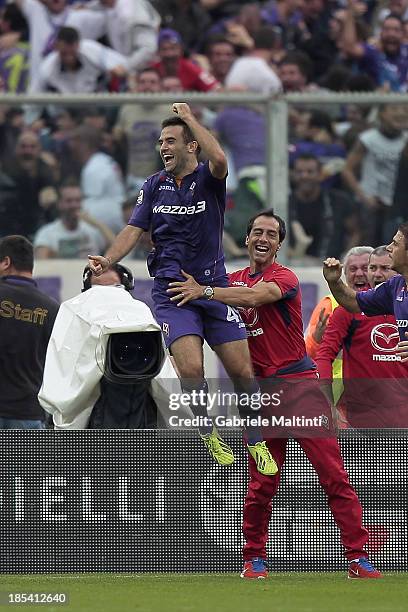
183	206
390	297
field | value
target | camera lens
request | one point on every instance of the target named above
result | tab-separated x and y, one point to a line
134	353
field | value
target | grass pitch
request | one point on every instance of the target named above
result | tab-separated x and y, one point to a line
294	592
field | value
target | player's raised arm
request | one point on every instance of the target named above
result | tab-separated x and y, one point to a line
344	295
123	243
209	145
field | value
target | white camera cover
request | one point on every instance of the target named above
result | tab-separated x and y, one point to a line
76	352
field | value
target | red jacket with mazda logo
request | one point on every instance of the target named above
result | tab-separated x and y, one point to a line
374	377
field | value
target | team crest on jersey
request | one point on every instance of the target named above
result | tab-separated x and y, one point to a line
250	316
385	337
139	198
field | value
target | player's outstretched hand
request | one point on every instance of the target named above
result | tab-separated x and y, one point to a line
98	264
332	269
185	291
182	110
402	349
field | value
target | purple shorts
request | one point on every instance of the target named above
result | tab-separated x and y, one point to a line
211	320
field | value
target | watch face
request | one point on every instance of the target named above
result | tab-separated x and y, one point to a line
208	292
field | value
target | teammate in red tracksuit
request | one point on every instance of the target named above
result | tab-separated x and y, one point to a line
373	374
270	301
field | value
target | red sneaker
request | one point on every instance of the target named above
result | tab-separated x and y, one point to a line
256	568
362	568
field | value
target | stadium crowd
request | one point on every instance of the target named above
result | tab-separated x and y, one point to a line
68	176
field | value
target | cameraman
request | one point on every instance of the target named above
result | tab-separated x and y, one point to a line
106	367
120	406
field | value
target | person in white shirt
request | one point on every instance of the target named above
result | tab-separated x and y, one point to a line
44	20
71	236
78	66
132	28
253	71
101	178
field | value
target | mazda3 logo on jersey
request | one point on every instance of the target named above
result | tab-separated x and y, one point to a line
385	337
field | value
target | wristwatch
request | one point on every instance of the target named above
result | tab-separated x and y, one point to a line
208	293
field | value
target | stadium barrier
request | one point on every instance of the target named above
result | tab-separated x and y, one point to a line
153	501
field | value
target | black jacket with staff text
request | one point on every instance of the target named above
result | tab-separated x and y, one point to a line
26	319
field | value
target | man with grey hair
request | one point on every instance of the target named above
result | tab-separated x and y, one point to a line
372	372
355	266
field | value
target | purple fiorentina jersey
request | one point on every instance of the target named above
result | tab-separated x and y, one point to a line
187	224
390	297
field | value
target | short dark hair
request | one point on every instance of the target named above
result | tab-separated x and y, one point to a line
301	60
217	39
124	273
68	35
88	135
139	73
18	23
188	135
67	183
269	212
379	251
20	250
393	16
321	120
403	228
308	157
264	38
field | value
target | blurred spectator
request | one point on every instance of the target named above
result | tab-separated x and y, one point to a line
139	127
317	41
171	84
393	7
172	63
101	119
242	130
34	180
78	66
286	18
320	140
371	169
221	55
328	218
14	53
240	29
45	19
74	234
387	64
56	140
101	179
295	71
11	125
187	17
399	210
252	71
131	28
